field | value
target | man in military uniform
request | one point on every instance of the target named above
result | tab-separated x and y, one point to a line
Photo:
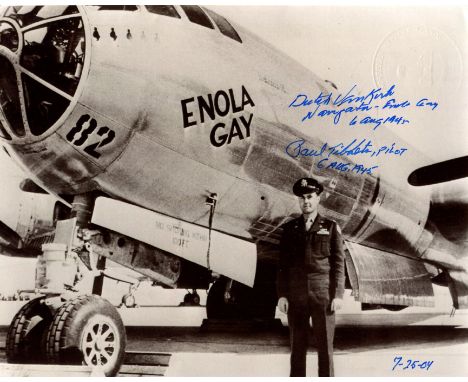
311	279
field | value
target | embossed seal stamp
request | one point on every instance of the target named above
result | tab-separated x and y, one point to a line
418	56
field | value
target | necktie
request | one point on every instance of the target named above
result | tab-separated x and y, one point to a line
308	224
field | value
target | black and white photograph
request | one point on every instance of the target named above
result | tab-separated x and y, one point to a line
234	190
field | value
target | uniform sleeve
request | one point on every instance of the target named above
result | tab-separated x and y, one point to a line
338	262
283	274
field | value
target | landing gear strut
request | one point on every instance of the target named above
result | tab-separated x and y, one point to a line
229	299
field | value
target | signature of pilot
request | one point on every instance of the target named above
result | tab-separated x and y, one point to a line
363	147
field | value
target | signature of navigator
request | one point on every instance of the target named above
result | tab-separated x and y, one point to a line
340	99
329	104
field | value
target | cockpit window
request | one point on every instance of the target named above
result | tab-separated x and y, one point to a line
55	53
165	10
10	98
117	8
196	15
27	15
55	11
43	106
8	36
3	133
224	26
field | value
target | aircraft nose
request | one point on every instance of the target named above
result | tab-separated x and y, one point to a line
42	54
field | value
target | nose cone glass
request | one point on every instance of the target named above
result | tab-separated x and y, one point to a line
30	14
42	56
55	53
8	36
43	106
9	97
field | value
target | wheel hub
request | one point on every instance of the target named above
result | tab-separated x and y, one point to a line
100	342
99	345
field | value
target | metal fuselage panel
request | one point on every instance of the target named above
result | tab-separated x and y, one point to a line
167	153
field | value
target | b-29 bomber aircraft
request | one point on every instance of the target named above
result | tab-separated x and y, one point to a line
161	130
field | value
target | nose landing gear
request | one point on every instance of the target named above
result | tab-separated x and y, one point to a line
87	329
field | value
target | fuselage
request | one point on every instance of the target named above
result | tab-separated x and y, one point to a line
161	111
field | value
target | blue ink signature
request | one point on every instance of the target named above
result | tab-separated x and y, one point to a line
363	147
413	364
351	103
295	149
339	100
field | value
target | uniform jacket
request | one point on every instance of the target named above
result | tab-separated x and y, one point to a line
311	263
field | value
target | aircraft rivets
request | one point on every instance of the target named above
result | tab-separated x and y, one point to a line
129	34
113	34
96	34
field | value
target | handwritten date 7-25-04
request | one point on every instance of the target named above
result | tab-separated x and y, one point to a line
411	364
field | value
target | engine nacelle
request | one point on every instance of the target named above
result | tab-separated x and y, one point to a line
37	217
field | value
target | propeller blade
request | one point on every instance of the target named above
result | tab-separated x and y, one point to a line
445	171
9	237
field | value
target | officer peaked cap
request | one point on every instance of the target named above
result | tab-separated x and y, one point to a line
307	186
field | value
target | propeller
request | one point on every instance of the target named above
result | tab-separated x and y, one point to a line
11	244
445	171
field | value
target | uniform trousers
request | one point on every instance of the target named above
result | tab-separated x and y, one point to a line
323	322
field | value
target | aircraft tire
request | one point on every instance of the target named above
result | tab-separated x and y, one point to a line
25	341
87	330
